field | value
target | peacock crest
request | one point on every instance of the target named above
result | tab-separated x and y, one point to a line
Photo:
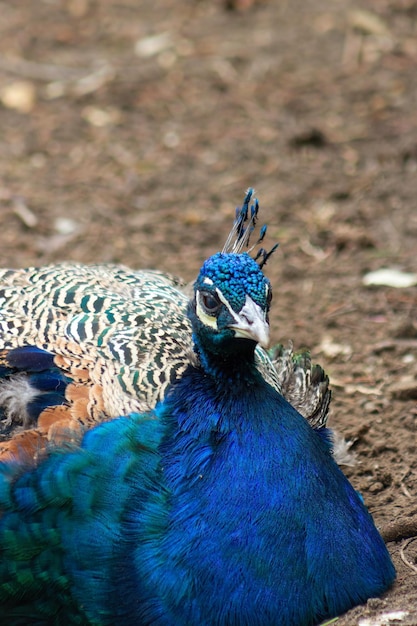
243	228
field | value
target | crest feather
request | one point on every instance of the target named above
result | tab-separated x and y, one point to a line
243	227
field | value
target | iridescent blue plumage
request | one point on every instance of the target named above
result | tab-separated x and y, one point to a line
236	276
220	507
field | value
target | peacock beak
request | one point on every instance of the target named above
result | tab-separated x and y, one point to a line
251	323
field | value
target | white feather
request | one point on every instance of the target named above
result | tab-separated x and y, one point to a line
15	395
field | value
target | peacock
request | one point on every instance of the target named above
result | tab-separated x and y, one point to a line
170	484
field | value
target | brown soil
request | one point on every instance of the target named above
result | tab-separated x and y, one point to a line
135	150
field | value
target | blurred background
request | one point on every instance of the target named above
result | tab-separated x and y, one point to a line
130	130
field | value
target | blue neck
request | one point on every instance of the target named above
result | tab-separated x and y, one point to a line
232	366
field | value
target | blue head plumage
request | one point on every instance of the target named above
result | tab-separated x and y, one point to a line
236	276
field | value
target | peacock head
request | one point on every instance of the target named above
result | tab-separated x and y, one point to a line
229	312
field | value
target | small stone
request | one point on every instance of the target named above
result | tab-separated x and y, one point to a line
20	96
390	277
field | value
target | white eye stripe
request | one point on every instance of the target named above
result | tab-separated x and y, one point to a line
222	298
268	291
208	320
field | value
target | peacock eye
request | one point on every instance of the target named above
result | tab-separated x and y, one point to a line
210	302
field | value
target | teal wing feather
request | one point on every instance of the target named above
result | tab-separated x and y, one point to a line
104	318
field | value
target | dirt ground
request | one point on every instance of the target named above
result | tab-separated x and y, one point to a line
129	131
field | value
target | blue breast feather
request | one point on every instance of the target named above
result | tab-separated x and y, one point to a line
208	512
